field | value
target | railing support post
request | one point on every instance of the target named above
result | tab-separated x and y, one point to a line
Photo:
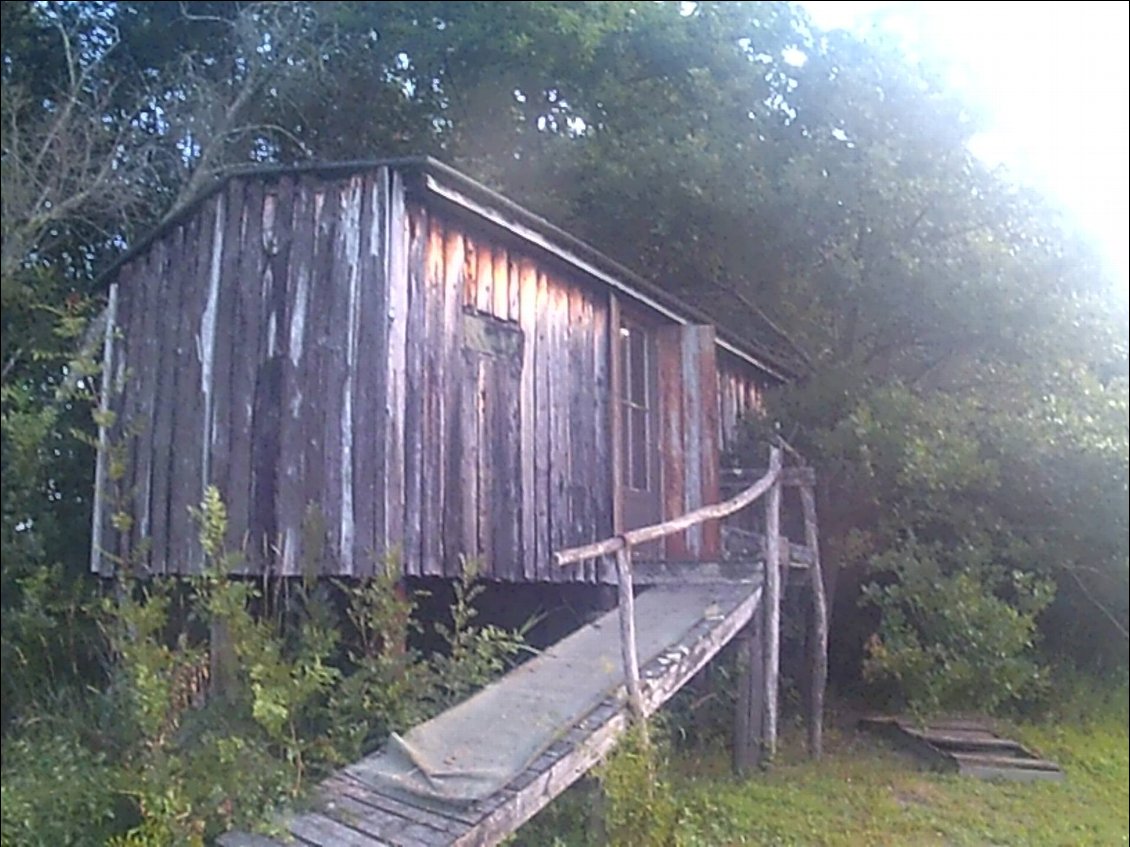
818	638
628	652
772	599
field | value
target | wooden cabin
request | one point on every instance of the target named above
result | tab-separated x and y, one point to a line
386	357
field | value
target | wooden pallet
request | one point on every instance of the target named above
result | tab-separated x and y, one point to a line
966	747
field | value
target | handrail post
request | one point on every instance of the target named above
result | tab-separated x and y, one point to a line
818	646
628	652
772	607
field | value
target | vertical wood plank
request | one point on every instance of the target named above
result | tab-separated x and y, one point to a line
397	389
415	407
146	347
577	379
710	490
283	434
694	455
470	274
101	531
455	495
166	324
603	485
351	273
615	390
247	331
471	437
435	434
128	429
500	285
207	343
672	438
542	423
269	421
324	325
528	320
226	349
559	418
514	278
369	378
486	470
484	277
185	552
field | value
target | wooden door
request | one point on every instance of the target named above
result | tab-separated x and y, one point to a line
637	397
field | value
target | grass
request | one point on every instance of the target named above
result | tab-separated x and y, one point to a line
867	793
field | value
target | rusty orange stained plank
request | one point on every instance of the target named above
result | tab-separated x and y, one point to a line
673	477
484	274
500	285
708	433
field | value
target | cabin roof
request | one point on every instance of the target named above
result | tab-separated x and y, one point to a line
740	329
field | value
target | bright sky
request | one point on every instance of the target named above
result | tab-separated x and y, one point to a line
1054	78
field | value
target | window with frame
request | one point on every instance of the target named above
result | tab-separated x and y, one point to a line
637	403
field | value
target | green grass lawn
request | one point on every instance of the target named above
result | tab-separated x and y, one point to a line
866	793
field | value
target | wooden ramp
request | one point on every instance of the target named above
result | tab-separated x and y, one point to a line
679	630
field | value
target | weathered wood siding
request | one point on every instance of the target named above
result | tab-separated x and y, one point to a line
246	355
363	369
499	444
689	434
740	390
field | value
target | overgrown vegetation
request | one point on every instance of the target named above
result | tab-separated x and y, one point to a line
218	680
866	793
961	360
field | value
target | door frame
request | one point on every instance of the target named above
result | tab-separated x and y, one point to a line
621	312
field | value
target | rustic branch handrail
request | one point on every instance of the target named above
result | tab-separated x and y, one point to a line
632	537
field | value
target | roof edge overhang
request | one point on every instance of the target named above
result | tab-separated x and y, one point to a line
445	182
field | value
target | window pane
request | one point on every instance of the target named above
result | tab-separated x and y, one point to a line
626	448
639	447
637	375
625	361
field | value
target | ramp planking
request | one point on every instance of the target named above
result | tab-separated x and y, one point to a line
475	773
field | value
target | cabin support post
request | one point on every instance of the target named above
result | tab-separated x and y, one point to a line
750	712
772	602
818	637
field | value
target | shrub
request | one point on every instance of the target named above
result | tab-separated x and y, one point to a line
956	632
226	699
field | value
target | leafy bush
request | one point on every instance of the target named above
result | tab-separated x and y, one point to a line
956	632
225	700
56	789
639	807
